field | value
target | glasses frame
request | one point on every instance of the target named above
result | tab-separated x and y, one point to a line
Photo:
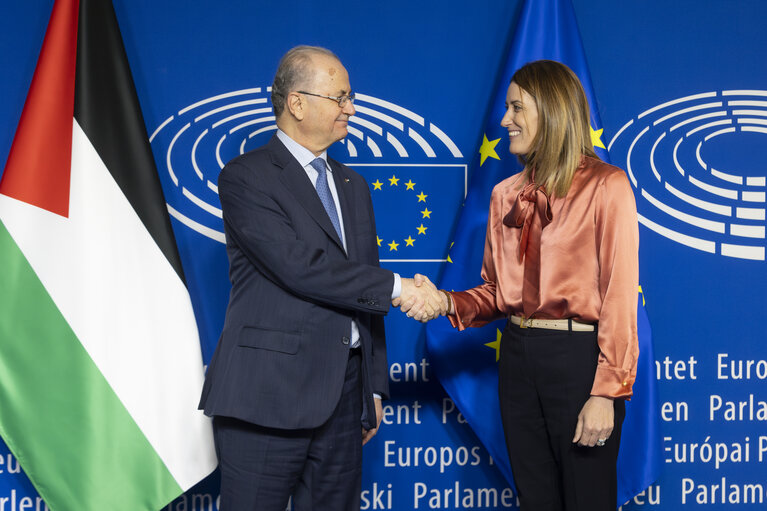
341	100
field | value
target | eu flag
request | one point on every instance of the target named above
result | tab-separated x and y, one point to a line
465	362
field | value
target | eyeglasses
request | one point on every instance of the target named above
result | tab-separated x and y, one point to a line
341	100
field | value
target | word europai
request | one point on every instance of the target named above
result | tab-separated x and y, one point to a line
717	453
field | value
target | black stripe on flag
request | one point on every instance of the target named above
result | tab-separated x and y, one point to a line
108	111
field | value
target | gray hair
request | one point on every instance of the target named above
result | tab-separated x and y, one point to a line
294	71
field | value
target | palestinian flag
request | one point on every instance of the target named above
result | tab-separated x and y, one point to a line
100	362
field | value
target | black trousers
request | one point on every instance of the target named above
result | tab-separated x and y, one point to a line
545	378
321	468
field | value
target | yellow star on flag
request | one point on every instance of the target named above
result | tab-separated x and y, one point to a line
393	246
379	240
496	344
449	259
487	149
421	197
377	184
640	292
426	213
410	184
596	137
393	180
421	229
409	241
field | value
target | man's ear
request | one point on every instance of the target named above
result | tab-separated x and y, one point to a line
296	104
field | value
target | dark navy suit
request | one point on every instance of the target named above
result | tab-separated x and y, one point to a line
281	362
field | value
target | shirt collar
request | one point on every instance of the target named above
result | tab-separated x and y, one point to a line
299	152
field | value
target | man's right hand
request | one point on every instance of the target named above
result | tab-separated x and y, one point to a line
420	299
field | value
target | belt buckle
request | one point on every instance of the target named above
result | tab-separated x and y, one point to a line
522	323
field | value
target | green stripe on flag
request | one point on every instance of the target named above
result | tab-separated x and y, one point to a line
57	412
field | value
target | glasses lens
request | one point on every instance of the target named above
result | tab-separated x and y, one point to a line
342	100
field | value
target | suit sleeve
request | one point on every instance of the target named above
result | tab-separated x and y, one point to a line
261	227
380	373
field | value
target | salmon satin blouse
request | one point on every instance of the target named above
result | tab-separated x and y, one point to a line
588	265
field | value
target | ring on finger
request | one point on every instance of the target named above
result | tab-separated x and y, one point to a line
601	442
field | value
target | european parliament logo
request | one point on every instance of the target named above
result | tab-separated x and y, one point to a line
415	170
697	163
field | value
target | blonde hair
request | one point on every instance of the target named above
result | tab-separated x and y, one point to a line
564	129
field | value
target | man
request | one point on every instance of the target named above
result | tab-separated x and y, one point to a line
302	356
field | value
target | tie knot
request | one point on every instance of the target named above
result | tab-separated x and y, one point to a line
531	200
318	164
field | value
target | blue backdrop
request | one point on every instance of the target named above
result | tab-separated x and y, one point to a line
681	90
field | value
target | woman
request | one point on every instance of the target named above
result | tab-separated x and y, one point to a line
561	262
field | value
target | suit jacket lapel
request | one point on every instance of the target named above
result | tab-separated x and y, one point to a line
298	183
348	210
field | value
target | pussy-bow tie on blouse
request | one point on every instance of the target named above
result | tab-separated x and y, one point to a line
532	212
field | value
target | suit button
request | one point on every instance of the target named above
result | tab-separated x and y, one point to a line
360	300
345	340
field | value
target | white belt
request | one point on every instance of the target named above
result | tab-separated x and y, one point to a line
552	324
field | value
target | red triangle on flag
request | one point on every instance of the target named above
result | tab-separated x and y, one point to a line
38	168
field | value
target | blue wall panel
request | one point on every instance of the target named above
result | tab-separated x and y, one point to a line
435	64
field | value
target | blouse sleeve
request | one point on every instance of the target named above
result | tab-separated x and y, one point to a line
478	306
617	236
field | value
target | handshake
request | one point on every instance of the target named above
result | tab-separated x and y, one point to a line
421	300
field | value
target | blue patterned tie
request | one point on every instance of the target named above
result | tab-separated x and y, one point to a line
323	190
